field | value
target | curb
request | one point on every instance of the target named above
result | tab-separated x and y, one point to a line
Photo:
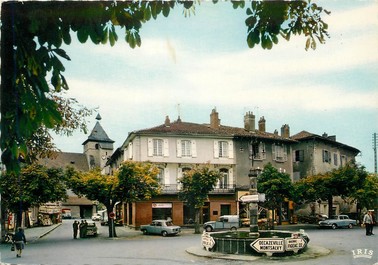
312	252
50	230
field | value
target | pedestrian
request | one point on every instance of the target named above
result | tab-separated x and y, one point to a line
368	222
373	221
19	241
75	227
81	227
85	228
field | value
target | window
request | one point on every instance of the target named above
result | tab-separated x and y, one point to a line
279	153
326	156
335	161
343	160
258	151
160	175
158	147
299	156
223	181
186	150
223	149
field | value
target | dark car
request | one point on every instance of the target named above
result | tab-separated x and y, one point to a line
161	227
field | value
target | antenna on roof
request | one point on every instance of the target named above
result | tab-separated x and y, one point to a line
178	111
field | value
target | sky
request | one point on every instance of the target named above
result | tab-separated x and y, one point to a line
186	66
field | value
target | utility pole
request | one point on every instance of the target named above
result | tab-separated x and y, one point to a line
375	151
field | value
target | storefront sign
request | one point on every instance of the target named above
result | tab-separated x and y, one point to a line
161	205
207	241
268	245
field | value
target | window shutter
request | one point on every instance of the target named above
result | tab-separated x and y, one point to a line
262	152
274	151
150	147
230	149
194	148
130	150
166	148
231	177
179	176
166	177
284	153
179	149
216	149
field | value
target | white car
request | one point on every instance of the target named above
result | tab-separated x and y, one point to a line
338	221
96	217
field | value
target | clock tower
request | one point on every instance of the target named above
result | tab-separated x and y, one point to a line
98	147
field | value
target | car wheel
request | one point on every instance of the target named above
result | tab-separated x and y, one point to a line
233	228
164	233
208	228
350	226
334	226
144	232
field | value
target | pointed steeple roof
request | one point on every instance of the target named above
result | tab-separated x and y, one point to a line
98	133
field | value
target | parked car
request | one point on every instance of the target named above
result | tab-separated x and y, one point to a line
231	222
160	227
97	217
337	221
91	229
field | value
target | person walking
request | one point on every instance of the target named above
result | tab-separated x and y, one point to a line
19	241
368	222
75	227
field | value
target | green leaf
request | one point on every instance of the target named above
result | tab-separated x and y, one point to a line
82	34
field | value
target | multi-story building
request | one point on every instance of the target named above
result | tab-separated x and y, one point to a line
178	146
314	154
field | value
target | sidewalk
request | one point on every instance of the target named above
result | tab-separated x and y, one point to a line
35	233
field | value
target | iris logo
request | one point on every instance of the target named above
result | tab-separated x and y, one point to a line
362	253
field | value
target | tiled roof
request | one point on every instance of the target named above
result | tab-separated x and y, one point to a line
305	135
98	134
64	159
193	129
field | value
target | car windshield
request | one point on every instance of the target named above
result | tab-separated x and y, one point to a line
333	217
169	224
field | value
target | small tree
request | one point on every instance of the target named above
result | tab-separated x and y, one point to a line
196	185
33	186
277	187
133	181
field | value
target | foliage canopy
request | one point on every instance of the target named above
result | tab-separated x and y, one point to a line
32	34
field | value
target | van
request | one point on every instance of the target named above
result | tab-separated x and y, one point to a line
230	222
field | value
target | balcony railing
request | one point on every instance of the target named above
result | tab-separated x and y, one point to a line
175	188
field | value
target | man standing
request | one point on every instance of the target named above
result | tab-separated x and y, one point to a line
81	226
75	227
368	222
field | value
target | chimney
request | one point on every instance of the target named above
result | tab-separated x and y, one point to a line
285	131
214	119
167	122
249	121
262	124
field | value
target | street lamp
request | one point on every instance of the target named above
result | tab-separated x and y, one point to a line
253	205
